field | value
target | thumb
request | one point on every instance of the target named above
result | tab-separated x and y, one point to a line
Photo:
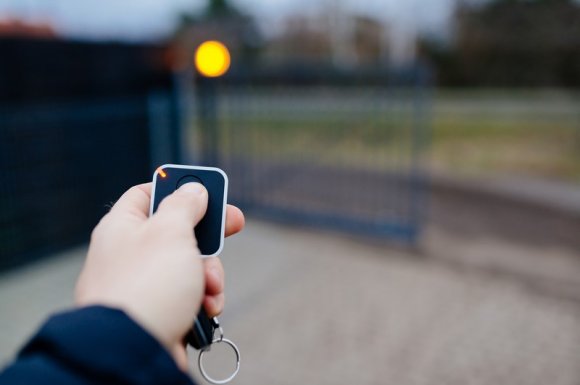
186	206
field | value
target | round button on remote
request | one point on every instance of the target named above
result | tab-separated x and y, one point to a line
188	179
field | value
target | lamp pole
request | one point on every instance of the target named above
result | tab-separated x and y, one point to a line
212	60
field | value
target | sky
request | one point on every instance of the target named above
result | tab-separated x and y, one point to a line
154	19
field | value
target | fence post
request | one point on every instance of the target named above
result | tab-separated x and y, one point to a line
207	112
160	126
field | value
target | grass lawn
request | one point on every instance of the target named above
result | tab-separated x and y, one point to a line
500	132
533	133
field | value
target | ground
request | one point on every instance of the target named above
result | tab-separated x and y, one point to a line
308	306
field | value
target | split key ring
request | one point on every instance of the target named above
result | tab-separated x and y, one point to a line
218	340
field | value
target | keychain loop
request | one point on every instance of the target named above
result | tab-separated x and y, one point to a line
200	361
218	340
216	324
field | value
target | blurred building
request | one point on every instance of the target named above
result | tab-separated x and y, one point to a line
335	38
338	39
303	40
18	28
370	44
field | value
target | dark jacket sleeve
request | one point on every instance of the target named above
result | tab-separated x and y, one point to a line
93	345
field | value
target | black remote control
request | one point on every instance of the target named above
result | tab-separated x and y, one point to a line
209	232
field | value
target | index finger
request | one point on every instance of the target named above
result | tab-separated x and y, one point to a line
234	220
135	201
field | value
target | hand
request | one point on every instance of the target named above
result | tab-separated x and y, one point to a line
150	267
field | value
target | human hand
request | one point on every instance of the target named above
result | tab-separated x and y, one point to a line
150	267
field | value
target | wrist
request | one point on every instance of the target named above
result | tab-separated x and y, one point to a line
107	343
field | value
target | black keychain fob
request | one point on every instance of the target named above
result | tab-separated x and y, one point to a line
209	232
201	334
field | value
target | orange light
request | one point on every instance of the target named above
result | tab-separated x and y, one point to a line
161	172
212	59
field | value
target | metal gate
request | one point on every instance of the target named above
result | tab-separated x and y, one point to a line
347	156
61	164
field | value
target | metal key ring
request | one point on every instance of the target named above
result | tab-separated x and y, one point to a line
200	361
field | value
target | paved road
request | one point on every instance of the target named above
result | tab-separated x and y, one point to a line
309	307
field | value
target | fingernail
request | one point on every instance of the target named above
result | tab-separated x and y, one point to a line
210	305
192	187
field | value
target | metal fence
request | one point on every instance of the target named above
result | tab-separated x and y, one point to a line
61	164
342	156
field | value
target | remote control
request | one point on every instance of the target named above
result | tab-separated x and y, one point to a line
209	232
